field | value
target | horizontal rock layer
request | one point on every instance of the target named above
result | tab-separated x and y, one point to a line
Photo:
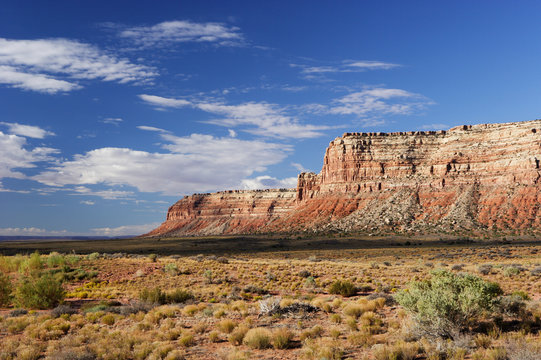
472	177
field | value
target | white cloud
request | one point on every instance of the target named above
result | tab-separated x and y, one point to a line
232	133
108	194
196	163
126	230
171	32
31	231
164	102
268	182
262	118
151	128
379	101
37	65
435	127
112	121
299	167
14	155
27	130
30	81
87	202
346	66
370	65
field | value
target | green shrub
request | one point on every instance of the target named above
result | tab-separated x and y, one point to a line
171	268
157	296
55	259
344	288
31	264
178	296
447	302
93	256
43	292
5	290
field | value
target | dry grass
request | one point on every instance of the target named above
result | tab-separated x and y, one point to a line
223	320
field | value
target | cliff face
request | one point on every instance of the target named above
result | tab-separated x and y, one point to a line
479	177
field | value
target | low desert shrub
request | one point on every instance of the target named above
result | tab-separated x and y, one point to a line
5	290
55	259
171	269
43	292
237	336
257	338
344	288
157	296
93	256
226	326
447	302
281	338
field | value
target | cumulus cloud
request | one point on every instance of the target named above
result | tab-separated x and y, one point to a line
195	163
181	31
379	101
269	182
27	130
261	118
55	65
17	78
15	155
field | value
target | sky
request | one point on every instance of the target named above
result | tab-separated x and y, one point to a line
111	111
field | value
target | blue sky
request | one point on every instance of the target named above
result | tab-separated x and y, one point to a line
112	111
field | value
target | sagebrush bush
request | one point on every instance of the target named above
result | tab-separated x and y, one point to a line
5	290
344	288
42	292
447	302
55	259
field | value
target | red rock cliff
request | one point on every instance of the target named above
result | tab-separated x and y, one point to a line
480	177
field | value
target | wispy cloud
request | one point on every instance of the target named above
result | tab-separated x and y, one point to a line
378	102
435	127
31	231
112	120
125	230
87	202
164	102
181	31
152	128
268	182
299	167
259	118
346	66
27	130
189	165
108	194
55	65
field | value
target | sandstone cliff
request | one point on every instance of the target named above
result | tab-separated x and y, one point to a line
473	177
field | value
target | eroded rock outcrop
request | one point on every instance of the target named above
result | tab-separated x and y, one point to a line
472	177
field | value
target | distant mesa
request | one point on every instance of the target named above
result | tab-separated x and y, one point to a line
471	178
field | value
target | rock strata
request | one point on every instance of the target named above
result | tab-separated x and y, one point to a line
469	178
